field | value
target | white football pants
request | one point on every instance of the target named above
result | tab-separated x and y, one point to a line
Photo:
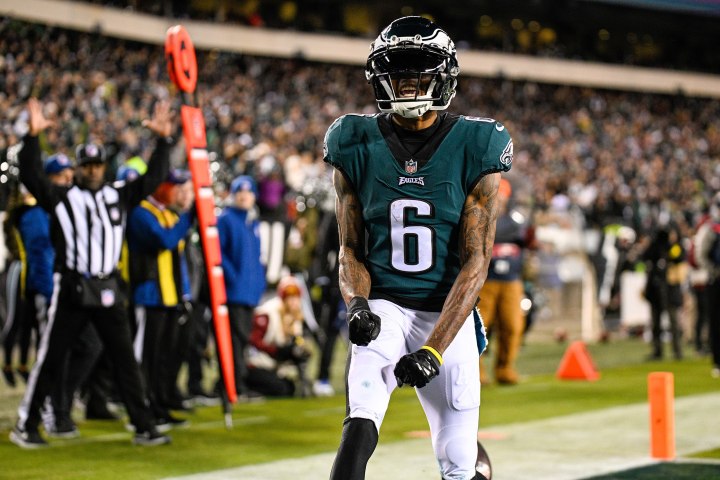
451	400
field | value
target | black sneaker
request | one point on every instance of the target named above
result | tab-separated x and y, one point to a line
9	375
150	438
24	372
171	421
27	438
64	428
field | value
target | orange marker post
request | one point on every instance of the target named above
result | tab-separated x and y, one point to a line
182	70
661	396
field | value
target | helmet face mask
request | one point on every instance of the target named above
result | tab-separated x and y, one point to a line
412	49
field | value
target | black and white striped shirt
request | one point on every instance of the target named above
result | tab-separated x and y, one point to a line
88	227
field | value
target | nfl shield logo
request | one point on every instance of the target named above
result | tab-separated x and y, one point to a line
410	166
107	297
91	150
114	214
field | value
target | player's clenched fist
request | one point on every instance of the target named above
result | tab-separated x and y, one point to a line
418	368
363	325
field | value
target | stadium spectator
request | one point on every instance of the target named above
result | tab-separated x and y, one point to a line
279	353
160	289
666	273
301	241
29	279
503	290
200	325
182	201
330	310
699	277
89	288
238	229
708	256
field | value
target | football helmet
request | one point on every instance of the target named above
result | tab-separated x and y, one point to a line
483	467
412	67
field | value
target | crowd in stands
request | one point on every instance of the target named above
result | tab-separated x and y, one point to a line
676	35
583	156
639	158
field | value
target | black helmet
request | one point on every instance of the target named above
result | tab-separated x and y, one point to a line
416	48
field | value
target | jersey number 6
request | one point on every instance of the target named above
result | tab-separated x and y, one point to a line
413	246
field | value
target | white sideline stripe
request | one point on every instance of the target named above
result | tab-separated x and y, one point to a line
562	448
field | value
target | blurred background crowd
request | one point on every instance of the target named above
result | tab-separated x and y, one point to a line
608	32
592	167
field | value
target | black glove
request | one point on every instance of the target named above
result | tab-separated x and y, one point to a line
294	351
364	326
417	369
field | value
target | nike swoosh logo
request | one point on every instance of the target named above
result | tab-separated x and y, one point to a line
499	127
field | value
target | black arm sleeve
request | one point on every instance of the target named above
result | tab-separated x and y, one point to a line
157	172
33	176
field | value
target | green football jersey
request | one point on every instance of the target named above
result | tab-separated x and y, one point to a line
412	215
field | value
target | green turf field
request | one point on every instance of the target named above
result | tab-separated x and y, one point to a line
674	471
291	428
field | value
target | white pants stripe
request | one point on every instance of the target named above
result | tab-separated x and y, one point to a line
139	340
24	408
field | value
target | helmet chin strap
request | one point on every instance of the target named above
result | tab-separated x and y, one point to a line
410	109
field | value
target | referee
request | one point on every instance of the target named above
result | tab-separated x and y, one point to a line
87	228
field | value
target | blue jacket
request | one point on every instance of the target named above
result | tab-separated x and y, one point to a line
34	228
147	240
240	247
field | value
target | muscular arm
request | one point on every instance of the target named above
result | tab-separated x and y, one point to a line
477	234
354	277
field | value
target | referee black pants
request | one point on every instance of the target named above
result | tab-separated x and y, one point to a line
65	322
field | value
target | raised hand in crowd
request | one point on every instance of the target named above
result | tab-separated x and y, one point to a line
161	121
37	121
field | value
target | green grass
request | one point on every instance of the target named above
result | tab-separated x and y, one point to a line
674	471
287	428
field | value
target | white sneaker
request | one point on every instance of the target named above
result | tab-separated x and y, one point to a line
322	388
715	372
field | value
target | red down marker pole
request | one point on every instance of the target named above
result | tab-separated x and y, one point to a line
182	69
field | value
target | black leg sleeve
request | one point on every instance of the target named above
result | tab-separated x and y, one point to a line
359	439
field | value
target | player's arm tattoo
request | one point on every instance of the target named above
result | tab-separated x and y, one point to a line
477	235
354	277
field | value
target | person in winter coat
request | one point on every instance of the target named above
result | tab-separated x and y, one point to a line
666	259
239	232
279	353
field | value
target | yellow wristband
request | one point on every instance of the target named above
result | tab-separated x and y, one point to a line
434	352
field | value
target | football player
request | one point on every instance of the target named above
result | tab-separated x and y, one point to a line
416	209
